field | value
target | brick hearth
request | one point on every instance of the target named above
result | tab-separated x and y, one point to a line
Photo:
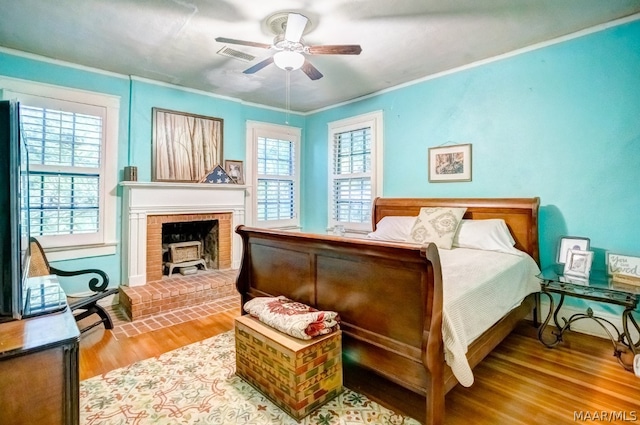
175	292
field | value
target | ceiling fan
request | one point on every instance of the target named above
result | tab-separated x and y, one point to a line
290	48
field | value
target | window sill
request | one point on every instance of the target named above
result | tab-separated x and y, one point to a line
80	251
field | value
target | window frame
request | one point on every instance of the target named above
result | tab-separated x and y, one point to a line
373	120
63	247
256	130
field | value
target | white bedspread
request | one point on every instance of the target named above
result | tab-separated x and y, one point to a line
479	288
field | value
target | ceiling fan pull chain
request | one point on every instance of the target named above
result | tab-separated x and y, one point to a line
287	94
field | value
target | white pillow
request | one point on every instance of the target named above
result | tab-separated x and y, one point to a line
437	225
393	228
490	235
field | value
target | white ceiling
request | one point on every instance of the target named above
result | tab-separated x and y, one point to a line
173	40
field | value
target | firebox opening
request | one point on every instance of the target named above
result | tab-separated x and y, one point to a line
193	239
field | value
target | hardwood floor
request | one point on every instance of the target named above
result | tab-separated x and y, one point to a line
100	352
521	382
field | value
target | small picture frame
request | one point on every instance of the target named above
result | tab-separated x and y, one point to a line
578	263
626	265
570	242
235	170
450	163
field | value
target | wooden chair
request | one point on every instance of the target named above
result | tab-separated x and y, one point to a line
39	266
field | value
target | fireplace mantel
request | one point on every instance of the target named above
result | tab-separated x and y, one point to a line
143	199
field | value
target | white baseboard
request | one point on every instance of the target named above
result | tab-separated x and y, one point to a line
587	326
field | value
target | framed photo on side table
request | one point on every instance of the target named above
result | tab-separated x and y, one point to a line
570	242
578	263
618	264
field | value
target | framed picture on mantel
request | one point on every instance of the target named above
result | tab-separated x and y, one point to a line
235	170
185	146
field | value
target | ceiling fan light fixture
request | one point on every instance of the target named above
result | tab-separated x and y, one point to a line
288	60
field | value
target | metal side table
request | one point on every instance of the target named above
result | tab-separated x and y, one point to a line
598	287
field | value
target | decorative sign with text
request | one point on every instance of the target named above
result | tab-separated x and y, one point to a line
623	265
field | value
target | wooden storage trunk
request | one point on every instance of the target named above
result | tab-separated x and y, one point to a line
297	375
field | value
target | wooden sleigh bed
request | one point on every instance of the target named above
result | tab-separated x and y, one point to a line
389	296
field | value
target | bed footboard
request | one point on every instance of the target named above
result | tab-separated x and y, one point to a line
367	283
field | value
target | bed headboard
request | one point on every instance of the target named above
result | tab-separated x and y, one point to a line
520	214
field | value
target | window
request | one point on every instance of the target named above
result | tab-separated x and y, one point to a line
273	154
355	170
71	136
64	170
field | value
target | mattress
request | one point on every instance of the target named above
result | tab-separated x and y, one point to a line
479	288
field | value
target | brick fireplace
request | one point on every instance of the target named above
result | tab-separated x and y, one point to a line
147	205
145	291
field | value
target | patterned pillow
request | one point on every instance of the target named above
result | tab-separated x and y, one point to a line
437	225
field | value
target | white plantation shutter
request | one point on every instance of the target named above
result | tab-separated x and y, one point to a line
354	172
275	199
276	164
353	200
352	176
64	170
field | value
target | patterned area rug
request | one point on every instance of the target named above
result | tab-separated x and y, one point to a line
196	384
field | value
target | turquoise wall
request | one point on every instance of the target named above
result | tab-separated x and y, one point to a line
138	97
561	122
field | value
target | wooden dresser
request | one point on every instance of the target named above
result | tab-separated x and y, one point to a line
39	375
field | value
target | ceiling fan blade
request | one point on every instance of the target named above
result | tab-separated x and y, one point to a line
346	49
295	27
242	42
311	71
257	67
